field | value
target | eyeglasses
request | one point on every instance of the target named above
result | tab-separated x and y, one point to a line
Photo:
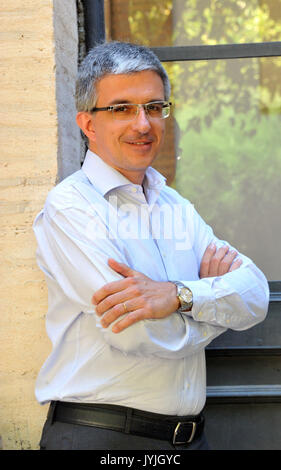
128	112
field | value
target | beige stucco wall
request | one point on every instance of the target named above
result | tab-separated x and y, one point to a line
28	171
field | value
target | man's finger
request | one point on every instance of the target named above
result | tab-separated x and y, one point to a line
236	264
128	320
226	262
110	301
119	310
215	261
113	301
205	263
109	289
116	286
121	268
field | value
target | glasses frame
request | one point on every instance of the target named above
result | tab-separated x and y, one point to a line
166	104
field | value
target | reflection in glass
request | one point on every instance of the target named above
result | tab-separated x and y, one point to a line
228	116
225	120
193	22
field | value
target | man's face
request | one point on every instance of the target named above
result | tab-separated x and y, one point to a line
128	146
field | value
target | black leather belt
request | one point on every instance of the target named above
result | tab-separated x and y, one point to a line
177	429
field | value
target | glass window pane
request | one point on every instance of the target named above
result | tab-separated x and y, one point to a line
227	130
193	22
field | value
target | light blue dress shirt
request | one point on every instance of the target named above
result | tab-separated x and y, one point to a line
159	365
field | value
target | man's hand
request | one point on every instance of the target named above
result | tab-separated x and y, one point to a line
218	262
140	298
136	295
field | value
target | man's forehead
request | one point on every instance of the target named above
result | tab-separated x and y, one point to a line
126	86
130	75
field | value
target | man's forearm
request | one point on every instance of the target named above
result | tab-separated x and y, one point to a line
238	300
173	337
140	298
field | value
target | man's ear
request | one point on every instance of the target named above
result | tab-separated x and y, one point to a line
85	122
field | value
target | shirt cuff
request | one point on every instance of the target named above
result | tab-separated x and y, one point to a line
204	301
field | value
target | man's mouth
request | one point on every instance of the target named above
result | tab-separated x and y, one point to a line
140	142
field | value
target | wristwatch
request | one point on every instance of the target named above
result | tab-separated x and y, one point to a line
185	297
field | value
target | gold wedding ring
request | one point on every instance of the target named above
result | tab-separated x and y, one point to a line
125	307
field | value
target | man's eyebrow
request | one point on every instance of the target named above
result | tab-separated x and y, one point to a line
130	102
119	102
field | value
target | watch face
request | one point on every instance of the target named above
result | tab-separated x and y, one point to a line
186	295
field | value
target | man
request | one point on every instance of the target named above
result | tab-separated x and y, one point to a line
138	284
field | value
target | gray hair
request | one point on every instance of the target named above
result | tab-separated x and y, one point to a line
114	58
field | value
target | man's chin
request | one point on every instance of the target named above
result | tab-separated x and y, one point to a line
141	156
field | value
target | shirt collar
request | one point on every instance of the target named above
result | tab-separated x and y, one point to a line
105	178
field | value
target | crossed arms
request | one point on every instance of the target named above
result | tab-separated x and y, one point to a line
227	295
148	299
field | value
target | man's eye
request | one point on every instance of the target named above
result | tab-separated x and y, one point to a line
155	107
120	109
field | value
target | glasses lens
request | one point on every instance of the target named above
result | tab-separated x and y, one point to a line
166	111
159	110
128	112
124	112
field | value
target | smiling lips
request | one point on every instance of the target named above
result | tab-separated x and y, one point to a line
139	142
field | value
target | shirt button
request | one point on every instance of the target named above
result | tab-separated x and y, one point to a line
134	190
200	314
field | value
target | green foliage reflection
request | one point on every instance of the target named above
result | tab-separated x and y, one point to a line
228	112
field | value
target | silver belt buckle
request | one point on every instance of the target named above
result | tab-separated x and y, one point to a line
191	435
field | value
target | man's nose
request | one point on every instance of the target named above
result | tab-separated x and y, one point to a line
141	121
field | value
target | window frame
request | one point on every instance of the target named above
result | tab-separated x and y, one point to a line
219	51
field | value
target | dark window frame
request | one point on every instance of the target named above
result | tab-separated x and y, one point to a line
95	33
94	23
220	51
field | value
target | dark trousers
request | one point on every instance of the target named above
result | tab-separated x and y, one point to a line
64	436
